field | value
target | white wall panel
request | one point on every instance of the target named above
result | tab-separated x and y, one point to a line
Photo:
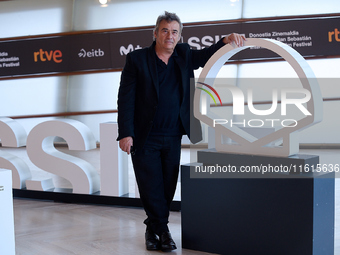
267	70
90	15
325	68
29	124
93	92
326	131
33	96
265	8
33	17
93	121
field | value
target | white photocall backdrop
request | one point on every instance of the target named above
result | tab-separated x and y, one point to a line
99	91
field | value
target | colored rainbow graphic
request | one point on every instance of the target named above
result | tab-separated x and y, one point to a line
211	88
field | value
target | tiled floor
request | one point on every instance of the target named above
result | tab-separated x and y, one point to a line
48	228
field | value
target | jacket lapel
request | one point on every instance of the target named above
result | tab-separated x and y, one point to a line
153	68
181	65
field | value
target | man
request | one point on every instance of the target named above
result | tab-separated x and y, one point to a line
153	114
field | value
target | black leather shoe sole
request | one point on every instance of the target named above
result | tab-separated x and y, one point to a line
152	247
168	249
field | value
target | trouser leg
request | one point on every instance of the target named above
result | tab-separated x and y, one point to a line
156	168
170	165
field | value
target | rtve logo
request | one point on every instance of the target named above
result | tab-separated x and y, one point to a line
43	56
334	33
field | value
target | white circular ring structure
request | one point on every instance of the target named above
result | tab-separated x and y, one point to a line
302	69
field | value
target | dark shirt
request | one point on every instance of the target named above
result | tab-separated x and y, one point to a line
167	120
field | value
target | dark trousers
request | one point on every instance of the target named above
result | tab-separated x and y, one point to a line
156	168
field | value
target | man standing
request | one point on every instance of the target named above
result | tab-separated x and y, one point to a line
153	114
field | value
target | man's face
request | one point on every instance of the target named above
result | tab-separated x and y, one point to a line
168	35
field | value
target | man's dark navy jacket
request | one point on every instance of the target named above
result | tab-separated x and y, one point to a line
139	90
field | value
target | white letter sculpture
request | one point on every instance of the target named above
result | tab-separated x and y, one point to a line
41	151
13	135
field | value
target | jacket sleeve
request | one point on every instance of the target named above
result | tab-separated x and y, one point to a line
201	57
126	100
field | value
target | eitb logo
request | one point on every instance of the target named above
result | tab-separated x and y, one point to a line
251	128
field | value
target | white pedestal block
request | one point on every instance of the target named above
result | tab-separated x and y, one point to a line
7	241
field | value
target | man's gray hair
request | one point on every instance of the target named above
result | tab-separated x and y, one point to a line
169	17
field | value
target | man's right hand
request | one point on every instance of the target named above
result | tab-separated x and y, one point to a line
125	144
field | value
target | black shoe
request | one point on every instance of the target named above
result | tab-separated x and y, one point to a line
151	241
167	244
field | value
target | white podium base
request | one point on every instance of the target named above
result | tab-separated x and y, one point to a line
7	240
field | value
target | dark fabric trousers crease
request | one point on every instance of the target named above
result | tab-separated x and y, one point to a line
156	168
